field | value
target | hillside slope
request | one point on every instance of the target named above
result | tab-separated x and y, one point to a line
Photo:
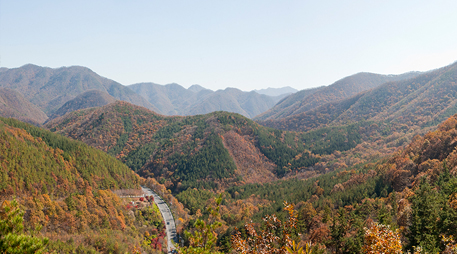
422	101
65	187
49	161
215	150
13	104
309	99
88	99
414	190
49	88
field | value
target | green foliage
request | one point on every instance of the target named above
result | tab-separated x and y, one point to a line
138	158
57	162
432	215
12	238
202	239
195	199
424	229
212	161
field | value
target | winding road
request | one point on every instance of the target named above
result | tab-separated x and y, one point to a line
167	217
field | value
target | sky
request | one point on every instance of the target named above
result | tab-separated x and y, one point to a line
246	44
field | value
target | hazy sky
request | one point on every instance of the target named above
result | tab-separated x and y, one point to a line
245	44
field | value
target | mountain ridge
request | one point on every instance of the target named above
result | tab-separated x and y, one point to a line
49	88
424	100
309	99
173	99
13	104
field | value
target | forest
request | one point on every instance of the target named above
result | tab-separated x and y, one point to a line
406	202
232	178
57	195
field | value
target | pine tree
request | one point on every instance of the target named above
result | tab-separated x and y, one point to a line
425	216
12	238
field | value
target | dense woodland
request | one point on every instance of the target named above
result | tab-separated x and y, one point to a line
410	197
202	151
340	185
63	188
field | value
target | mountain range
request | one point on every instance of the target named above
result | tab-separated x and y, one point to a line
349	157
49	89
173	99
215	150
371	123
46	92
422	100
309	99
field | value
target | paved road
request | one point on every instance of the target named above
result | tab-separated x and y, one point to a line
167	217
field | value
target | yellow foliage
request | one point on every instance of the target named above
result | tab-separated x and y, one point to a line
380	238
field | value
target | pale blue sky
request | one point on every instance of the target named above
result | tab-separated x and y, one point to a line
245	44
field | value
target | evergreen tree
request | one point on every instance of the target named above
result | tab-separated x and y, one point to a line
12	238
425	216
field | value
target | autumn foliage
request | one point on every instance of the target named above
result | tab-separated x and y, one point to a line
381	239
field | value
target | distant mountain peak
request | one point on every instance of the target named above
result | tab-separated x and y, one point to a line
49	89
270	91
197	88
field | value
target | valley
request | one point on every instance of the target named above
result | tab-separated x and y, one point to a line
331	162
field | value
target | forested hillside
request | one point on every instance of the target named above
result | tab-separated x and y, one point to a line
309	99
403	203
65	188
204	150
419	102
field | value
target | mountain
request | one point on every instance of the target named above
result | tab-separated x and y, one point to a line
248	104
13	104
352	209
196	88
309	99
173	99
54	155
273	92
215	150
422	101
88	99
66	188
49	89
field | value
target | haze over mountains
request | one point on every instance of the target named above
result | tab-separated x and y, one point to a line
50	93
47	91
173	99
277	91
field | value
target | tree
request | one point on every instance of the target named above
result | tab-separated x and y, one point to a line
12	238
380	238
425	218
203	239
274	238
